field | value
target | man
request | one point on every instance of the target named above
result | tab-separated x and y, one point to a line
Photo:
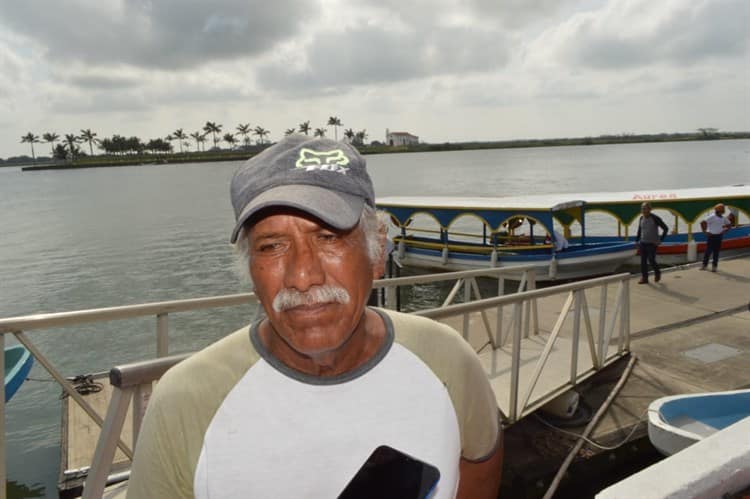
714	226
647	239
293	405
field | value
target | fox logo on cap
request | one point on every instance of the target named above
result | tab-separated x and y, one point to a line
334	160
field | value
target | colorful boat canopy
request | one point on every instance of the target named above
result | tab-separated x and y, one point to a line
689	204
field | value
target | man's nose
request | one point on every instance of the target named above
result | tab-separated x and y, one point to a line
304	268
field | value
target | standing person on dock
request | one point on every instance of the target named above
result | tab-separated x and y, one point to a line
647	239
293	405
714	226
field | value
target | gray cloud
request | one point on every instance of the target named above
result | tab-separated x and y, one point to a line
371	55
100	81
693	31
156	34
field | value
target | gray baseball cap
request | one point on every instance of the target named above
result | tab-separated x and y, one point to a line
322	177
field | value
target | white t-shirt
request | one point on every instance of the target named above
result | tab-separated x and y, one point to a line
715	223
234	422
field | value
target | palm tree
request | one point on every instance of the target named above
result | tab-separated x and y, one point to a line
212	128
179	134
31	139
197	136
202	141
349	134
72	141
304	127
88	136
244	130
320	132
51	138
229	139
335	123
360	137
261	133
289	131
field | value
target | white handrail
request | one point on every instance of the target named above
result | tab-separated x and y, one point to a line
576	300
161	310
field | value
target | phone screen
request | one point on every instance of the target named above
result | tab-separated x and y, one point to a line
393	474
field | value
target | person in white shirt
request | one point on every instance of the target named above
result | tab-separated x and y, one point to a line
560	242
292	405
714	226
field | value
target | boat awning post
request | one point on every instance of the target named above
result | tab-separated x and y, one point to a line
583	225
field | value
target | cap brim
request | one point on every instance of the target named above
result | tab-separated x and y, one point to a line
337	209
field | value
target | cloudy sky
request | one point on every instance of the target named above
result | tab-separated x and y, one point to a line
445	70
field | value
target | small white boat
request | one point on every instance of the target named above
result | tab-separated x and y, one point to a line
679	421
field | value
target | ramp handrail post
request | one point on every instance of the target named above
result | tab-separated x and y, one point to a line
602	321
515	364
534	310
106	446
626	313
162	334
499	316
576	337
467	299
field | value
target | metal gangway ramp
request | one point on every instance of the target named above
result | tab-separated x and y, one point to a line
538	344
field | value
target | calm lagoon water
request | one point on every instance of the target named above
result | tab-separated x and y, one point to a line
104	237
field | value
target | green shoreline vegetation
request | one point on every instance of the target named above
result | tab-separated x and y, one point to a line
121	151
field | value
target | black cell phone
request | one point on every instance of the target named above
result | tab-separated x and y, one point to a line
389	473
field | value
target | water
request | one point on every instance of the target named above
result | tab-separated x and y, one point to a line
103	237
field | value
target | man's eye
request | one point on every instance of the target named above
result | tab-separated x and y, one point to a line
269	247
328	237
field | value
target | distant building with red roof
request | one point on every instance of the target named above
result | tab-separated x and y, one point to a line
400	138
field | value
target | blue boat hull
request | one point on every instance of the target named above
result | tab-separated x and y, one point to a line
18	362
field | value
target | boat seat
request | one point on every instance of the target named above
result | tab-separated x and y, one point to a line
685	422
129	382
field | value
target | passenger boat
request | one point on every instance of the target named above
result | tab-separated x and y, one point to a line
683	210
679	421
498	241
18	363
552	231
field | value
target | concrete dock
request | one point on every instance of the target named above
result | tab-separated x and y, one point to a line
690	333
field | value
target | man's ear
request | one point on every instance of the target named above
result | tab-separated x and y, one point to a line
378	266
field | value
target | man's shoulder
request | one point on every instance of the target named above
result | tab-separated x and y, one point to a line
414	327
221	363
437	344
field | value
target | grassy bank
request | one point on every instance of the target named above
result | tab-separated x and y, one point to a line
375	148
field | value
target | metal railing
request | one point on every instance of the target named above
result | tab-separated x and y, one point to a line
19	326
524	320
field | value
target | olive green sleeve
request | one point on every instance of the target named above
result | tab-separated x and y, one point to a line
178	414
454	362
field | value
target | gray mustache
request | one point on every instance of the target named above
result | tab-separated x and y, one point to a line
290	298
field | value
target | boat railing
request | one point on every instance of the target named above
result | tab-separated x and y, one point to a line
524	320
20	326
472	248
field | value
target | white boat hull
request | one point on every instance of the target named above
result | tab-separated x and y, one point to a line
566	268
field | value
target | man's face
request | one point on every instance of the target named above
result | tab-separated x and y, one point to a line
299	257
645	209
